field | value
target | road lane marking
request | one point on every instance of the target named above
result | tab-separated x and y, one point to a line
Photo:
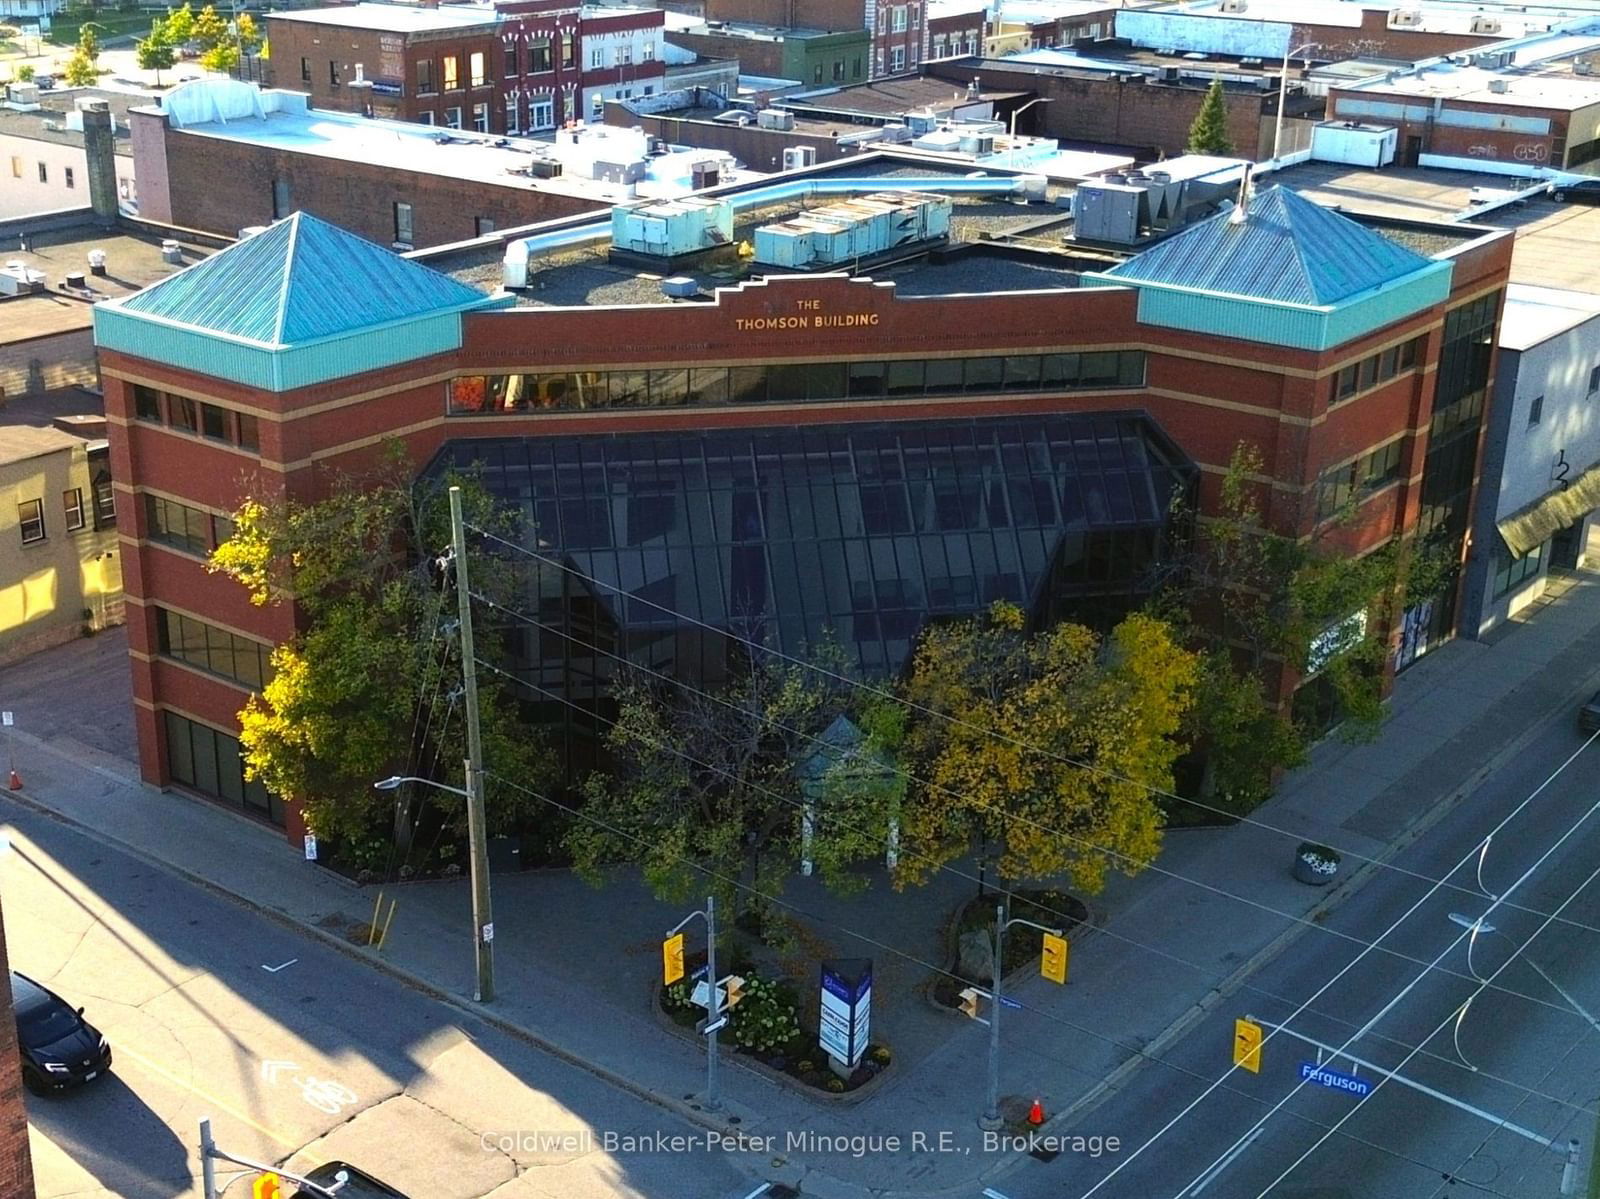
124	1052
275	969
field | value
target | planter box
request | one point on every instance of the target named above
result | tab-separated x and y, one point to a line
1313	878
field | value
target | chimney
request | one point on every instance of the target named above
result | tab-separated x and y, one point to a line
1241	212
100	148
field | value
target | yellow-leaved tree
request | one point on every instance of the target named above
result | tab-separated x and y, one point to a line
1046	748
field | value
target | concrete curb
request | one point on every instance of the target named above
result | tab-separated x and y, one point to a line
1415	829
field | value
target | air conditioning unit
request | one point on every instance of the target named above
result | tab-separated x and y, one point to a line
775	118
544	168
1484	23
1582	67
1234	5
798	157
1405	18
1499	86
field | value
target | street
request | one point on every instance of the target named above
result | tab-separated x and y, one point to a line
297	1053
1526	1056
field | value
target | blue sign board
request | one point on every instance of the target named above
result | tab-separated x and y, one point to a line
1332	1079
846	1012
1004	1002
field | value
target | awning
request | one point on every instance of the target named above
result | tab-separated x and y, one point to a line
1532	524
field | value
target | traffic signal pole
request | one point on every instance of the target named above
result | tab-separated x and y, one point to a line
210	1155
991	1121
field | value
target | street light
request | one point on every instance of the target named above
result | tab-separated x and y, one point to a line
478	872
1011	160
990	1121
1283	94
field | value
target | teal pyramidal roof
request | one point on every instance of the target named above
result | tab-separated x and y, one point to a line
1287	250
300	280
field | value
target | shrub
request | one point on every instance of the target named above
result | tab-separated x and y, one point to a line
765	1020
880	1054
836	1085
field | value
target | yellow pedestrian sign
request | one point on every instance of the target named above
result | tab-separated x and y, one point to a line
1053	958
672	959
1247	1045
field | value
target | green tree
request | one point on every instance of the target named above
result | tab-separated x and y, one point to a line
1014	721
158	51
83	68
179	24
1257	602
1209	133
708	781
368	687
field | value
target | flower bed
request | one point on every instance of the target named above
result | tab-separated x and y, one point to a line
765	1025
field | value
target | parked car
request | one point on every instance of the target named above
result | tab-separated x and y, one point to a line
44	82
60	1049
347	1182
1589	714
1581	191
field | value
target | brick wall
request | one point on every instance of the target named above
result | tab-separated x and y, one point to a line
16	1162
759	149
1375	39
222	186
833	15
1136	113
755	57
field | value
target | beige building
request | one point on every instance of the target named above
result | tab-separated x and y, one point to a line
60	576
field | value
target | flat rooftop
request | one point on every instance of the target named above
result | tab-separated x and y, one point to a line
48	122
392	18
1554	89
285	123
133	261
1536	314
1555	242
895	97
745	30
18	443
995	245
1434	16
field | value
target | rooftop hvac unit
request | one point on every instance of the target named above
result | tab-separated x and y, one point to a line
704	174
1484	23
775	118
1406	18
1169	74
1582	67
679	287
1234	5
544	168
797	157
1499	86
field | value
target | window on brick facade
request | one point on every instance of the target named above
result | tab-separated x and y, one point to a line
146	403
569	50
898	18
404	230
183	414
484	226
281	203
425	118
452	117
512	66
452	73
897	58
478	69
305	70
249	434
333	74
538	55
541	114
480	117
426	83
513	115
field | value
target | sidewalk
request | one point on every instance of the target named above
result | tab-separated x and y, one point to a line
574	964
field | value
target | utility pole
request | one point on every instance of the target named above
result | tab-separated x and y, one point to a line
210	1155
990	1121
477	831
716	1010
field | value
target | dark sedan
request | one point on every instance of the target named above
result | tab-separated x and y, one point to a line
347	1182
1589	714
60	1049
1580	191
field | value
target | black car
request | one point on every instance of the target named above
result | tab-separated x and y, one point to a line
60	1049
1589	714
355	1184
1582	191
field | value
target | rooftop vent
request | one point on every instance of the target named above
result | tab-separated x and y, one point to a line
1234	5
679	287
1405	18
1499	86
1483	23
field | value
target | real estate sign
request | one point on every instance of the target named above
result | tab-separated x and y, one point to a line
846	1016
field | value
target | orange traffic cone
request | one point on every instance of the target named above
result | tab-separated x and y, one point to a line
1036	1114
16	780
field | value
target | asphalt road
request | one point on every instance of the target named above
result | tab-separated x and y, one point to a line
1525	1054
298	1053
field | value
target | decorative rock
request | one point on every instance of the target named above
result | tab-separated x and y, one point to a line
976	955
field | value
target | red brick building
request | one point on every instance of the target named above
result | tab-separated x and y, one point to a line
513	67
897	31
16	1158
781	451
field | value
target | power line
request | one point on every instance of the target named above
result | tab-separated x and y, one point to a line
1359	1103
1399	920
1017	741
1139	1051
1404	991
1025	820
1067	917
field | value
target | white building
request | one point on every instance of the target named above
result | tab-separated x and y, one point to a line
1540	484
42	162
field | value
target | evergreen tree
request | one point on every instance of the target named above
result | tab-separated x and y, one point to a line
1209	133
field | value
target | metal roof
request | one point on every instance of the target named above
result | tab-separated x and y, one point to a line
298	281
1288	249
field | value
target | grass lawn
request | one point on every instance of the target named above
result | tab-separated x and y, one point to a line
64	29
